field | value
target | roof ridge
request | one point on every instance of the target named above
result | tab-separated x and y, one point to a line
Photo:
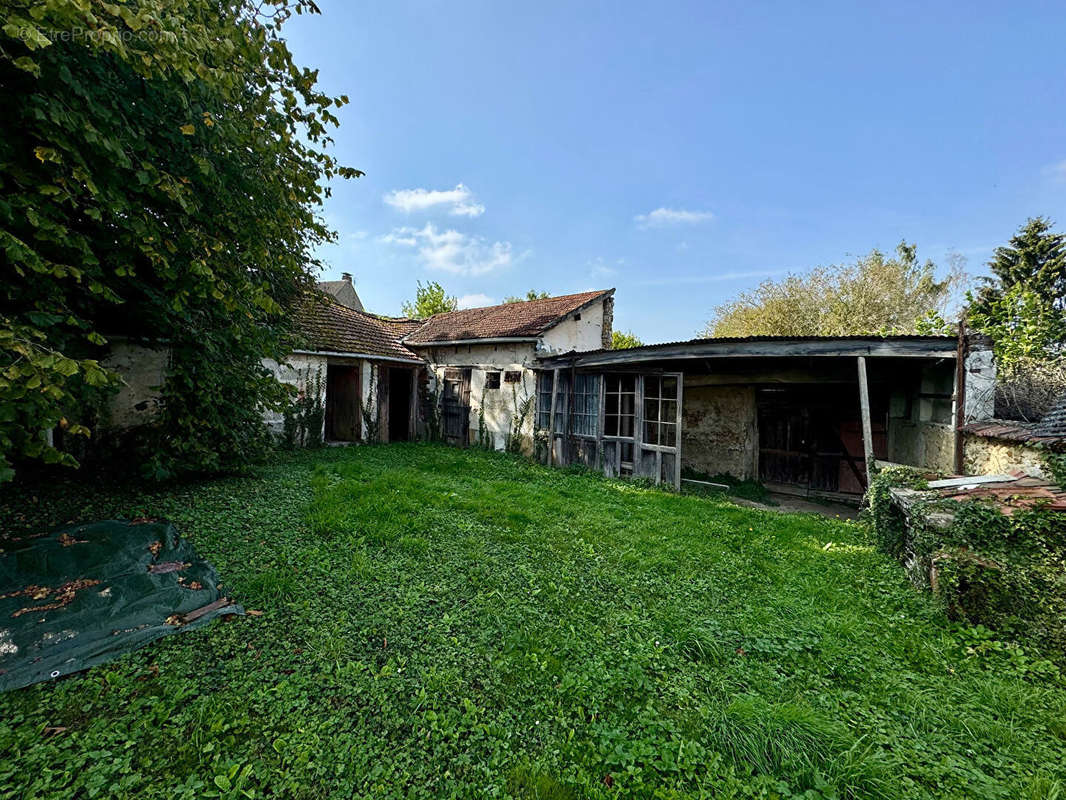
591	292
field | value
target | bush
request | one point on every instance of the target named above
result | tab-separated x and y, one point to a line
1007	572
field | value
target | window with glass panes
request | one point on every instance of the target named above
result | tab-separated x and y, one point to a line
660	410
586	410
619	405
544	400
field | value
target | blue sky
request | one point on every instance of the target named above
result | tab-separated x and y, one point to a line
680	152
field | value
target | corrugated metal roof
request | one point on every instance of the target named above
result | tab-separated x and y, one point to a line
744	339
1054	422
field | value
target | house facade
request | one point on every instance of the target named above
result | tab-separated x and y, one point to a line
482	362
470	373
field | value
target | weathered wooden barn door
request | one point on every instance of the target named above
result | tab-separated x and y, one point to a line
455	406
343	399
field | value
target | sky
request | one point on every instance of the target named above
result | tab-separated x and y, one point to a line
679	152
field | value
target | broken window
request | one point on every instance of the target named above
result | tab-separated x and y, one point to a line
586	405
492	380
660	410
512	376
544	400
562	402
620	405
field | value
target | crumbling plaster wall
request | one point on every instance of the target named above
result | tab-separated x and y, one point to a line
576	334
299	370
718	431
143	370
498	405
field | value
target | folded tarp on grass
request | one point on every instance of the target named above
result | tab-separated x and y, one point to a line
84	594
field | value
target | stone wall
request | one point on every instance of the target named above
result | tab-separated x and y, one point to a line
718	433
985	456
930	445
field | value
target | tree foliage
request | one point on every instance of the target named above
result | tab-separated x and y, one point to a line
532	294
161	166
1022	308
429	299
623	340
875	294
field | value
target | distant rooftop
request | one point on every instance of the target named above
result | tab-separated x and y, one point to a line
526	319
343	292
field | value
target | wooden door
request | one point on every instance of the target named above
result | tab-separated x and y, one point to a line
455	406
343	403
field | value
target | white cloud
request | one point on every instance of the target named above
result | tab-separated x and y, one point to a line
452	251
1057	170
475	300
661	217
459	201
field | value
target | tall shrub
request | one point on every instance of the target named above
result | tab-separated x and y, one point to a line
162	163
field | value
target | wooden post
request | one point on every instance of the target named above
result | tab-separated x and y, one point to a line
867	427
551	419
958	408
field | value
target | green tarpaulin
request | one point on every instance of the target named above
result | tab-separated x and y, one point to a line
84	594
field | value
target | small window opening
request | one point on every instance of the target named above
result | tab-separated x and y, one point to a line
492	380
512	376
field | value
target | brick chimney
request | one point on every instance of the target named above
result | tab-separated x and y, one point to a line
346	276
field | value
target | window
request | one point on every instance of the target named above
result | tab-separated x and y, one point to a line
492	380
544	400
619	405
660	410
562	401
586	412
512	376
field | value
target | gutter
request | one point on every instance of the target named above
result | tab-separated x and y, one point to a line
364	356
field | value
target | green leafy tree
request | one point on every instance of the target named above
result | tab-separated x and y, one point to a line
1022	308
429	299
877	294
162	165
532	294
623	340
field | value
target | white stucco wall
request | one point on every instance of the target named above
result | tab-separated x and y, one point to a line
299	371
498	404
576	334
301	367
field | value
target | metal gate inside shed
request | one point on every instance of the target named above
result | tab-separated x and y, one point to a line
810	441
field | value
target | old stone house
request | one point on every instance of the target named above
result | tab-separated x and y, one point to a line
805	415
470	372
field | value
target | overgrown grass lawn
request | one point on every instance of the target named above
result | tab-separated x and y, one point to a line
439	622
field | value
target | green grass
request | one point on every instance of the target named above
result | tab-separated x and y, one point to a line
439	622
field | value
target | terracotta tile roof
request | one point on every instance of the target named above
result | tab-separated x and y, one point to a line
530	318
328	326
1021	432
